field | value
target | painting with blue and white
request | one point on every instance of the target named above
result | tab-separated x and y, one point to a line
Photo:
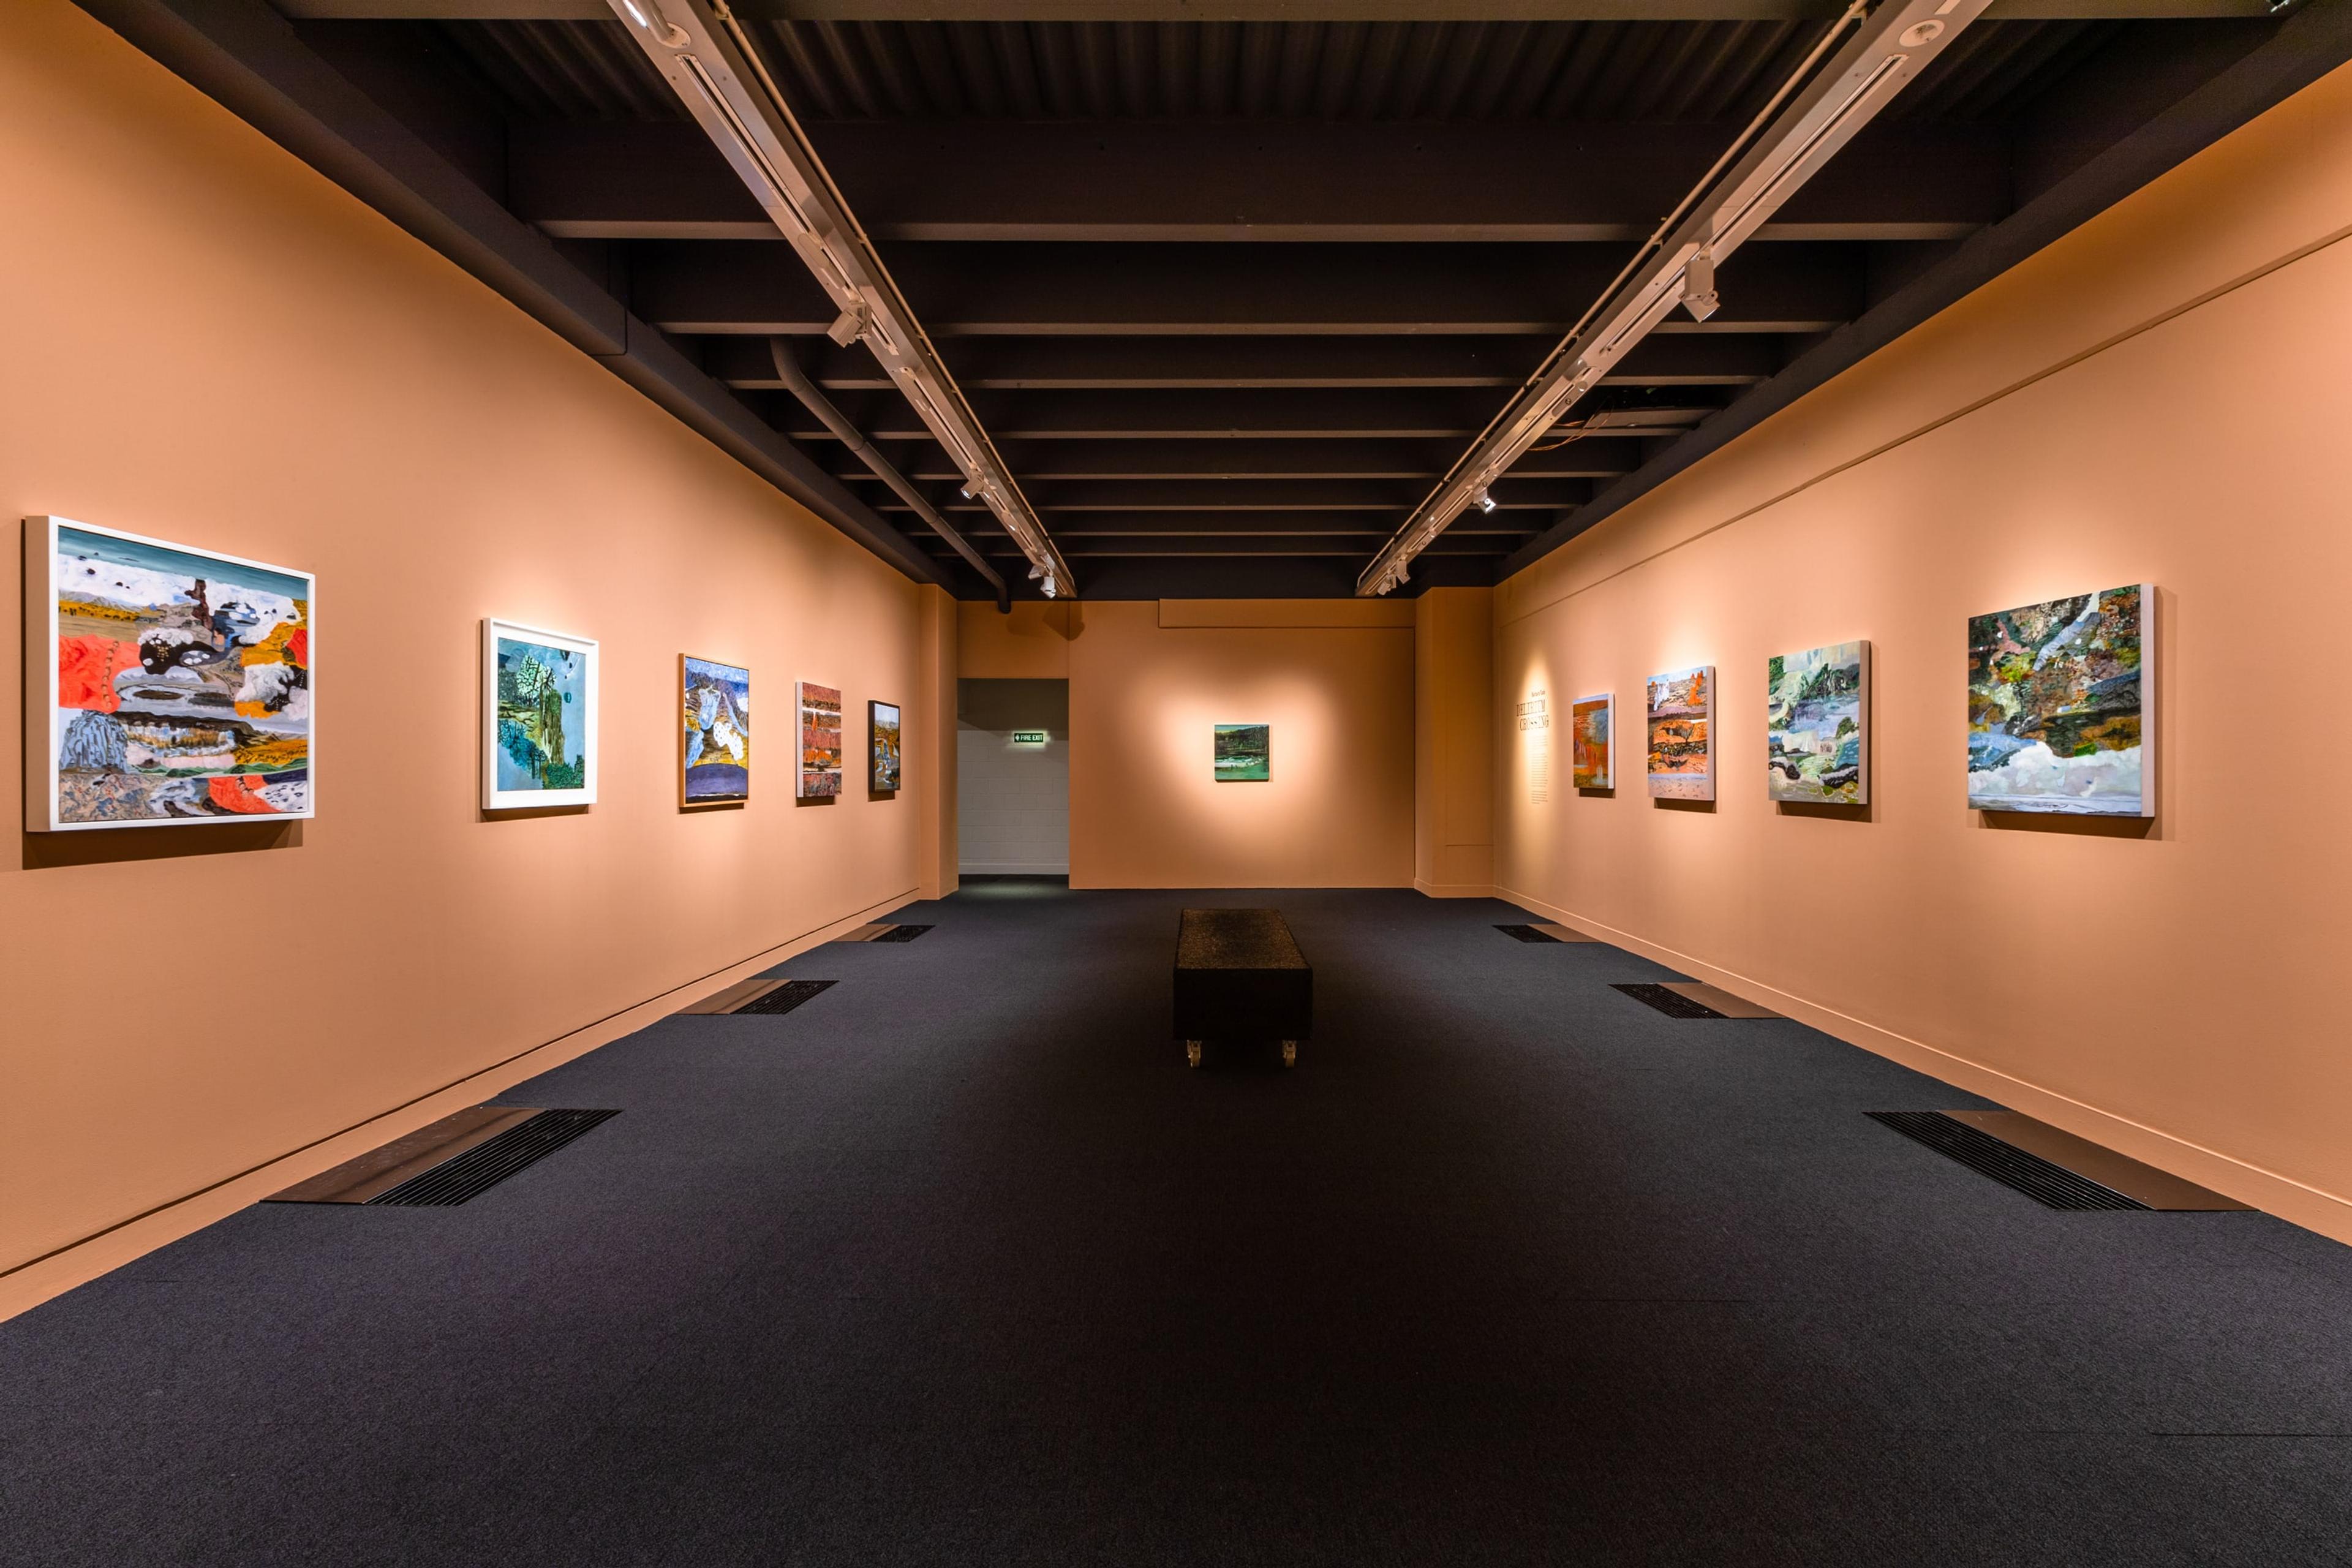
540	717
716	711
1817	725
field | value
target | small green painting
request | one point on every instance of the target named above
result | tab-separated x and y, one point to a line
1242	754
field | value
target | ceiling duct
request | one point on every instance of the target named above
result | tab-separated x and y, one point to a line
711	64
1814	114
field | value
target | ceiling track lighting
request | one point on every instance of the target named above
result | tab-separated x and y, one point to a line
711	64
1815	112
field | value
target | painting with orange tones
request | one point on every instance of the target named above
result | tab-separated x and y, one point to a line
1591	742
177	684
1682	734
820	719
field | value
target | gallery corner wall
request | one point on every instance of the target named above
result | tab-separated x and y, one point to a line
1150	681
2160	397
210	344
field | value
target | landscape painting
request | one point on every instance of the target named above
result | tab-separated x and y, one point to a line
820	721
538	716
178	682
1682	738
1817	725
715	731
1244	754
882	746
2060	706
1590	724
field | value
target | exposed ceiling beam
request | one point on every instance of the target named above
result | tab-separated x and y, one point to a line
1227	180
1242	10
1267	415
1094	364
963	290
246	57
1259	497
714	66
1040	462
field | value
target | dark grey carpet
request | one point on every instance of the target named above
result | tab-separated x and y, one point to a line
959	1264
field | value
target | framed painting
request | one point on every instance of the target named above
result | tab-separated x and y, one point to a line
538	716
1591	727
820	724
1817	725
1681	712
164	683
1244	753
882	747
2062	706
714	733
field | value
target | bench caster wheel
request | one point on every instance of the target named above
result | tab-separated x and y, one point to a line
1191	1053
1290	1053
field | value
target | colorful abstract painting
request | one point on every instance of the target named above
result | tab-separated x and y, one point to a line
539	715
715	719
1817	724
1682	734
1591	723
882	747
179	682
2059	706
1244	754
820	716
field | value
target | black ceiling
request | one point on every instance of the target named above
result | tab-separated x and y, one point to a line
1230	296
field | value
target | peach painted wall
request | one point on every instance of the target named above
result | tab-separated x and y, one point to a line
2160	397
1454	743
210	344
1150	680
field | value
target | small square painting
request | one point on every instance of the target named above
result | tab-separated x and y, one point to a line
2059	706
1243	753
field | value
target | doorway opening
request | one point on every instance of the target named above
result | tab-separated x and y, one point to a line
1013	778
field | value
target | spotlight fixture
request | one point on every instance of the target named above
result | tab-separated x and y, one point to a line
1827	99
1049	587
1036	572
1485	501
701	49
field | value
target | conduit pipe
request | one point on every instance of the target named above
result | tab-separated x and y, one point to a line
796	382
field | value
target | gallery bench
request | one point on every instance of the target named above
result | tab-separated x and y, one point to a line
1240	976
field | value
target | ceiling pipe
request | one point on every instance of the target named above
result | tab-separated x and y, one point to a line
796	382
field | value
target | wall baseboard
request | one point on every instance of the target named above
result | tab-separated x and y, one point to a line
1453	889
2313	1209
29	1284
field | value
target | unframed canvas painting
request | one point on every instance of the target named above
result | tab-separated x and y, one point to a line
820	718
1590	720
539	708
1682	743
1243	753
2059	706
1817	724
178	682
715	718
882	743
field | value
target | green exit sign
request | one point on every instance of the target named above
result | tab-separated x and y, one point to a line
1030	737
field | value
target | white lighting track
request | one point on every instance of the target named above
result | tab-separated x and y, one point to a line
702	51
1807	121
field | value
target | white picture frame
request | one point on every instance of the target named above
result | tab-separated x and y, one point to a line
45	730
507	795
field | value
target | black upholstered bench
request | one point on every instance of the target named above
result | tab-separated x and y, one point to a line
1240	976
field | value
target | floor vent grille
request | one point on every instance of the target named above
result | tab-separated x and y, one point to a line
784	998
1525	933
486	1164
1672	1004
2053	1187
902	933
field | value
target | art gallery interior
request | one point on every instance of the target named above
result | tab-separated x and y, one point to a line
1176	781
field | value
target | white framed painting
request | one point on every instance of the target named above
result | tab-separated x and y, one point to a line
164	683
538	716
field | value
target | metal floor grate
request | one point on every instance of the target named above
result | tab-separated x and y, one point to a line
1672	1004
2053	1187
902	933
486	1164
1525	933
784	998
